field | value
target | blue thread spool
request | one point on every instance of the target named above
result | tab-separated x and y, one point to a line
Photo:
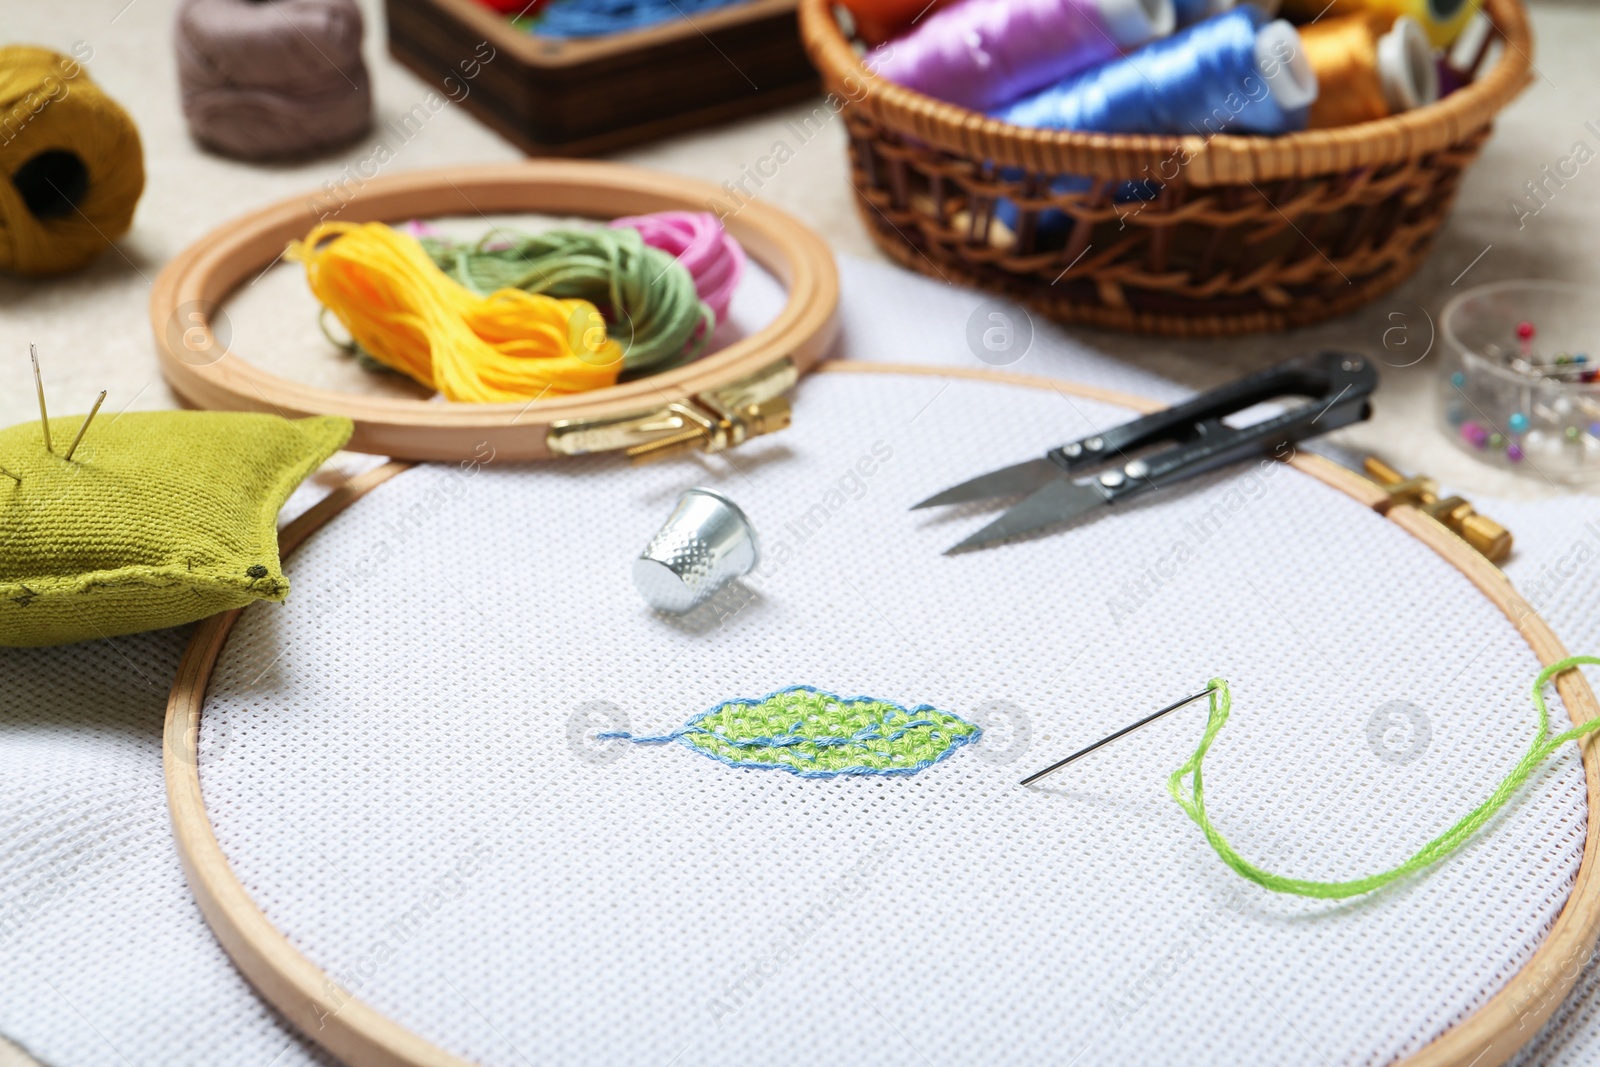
1235	73
1238	72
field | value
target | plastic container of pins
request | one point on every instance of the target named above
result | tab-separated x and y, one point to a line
1521	382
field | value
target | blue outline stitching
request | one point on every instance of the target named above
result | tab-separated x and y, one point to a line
868	734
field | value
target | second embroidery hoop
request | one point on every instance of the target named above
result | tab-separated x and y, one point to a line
362	1035
203	369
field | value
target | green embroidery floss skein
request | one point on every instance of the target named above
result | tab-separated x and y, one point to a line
647	295
1192	799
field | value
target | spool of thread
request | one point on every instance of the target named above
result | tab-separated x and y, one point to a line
272	79
1234	73
1442	20
72	163
698	241
984	54
1364	76
878	20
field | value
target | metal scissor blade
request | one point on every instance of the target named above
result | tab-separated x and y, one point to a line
1056	502
1007	481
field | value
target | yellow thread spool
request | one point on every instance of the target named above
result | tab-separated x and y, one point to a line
409	315
71	162
1363	76
1441	20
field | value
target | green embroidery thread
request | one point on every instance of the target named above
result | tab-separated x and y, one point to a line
817	734
648	295
1194	802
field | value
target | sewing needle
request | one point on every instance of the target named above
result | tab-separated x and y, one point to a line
87	419
38	382
1107	740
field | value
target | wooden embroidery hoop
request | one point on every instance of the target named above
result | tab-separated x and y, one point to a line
194	284
362	1036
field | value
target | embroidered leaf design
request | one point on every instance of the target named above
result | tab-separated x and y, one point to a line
817	734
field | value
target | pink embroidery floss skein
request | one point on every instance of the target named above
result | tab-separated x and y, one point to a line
983	54
272	79
713	258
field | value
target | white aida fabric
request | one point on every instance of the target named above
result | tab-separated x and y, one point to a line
104	959
888	315
400	764
1557	567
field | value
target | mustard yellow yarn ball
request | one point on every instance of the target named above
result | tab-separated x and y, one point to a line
72	164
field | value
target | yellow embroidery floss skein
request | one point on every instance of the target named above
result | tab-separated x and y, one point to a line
1443	20
408	315
71	165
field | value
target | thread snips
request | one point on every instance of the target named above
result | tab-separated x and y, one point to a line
1336	384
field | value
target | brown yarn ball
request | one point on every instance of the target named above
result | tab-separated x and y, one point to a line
272	79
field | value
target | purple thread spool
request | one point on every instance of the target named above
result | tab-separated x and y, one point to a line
983	54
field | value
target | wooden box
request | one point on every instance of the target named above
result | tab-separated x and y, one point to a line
581	96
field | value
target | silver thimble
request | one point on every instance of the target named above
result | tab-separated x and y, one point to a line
706	543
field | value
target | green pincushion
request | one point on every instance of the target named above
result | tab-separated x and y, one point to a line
160	518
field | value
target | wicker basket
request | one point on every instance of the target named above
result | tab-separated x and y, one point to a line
1245	233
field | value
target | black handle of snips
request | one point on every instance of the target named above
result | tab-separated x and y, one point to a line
1337	384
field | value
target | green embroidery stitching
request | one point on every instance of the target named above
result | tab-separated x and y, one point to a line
817	734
